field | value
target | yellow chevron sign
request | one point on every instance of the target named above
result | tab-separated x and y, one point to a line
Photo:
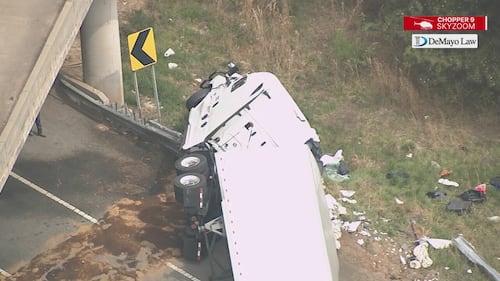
142	49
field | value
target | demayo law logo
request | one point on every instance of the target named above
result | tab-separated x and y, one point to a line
444	41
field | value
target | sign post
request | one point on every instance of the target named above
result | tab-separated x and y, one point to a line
142	52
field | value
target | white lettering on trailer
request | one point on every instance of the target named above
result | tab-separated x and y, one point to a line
54	197
4	273
182	272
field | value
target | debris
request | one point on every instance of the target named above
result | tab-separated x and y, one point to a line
350	201
332	160
437	194
335	168
351	226
199	80
398	201
444	173
437	243
356	213
409	155
448	182
365	232
473	196
422	255
469	271
172	65
335	208
169	53
360	242
347	193
481	188
402	259
459	206
494	218
468	250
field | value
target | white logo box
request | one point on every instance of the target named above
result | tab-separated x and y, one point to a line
444	41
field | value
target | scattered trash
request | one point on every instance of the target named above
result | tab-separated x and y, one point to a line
459	206
444	173
347	193
350	201
446	268
332	160
335	208
437	194
402	260
481	188
365	232
421	256
473	196
468	250
199	80
360	242
172	65
448	182
335	168
398	201
437	243
351	226
409	155
356	213
169	53
469	271
494	218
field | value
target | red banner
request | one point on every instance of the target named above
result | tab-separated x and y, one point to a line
445	23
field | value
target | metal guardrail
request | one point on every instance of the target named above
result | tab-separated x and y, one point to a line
95	104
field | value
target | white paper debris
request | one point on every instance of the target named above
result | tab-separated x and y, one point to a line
351	226
350	201
199	80
360	242
169	53
172	65
332	160
409	155
437	243
494	218
347	193
398	201
422	255
365	232
448	182
356	213
469	271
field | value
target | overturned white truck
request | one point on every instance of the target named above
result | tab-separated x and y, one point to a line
251	174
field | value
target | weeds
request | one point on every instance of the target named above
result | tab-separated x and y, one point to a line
356	100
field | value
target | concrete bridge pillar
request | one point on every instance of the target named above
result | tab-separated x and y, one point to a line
101	57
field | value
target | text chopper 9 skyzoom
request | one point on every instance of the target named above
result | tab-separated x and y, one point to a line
443	23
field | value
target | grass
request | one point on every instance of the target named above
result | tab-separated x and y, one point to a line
355	100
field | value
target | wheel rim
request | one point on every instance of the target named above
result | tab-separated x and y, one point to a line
190	180
190	161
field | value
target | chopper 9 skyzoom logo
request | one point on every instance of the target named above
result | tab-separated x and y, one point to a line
442	23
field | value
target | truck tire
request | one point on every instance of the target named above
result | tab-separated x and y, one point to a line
197	97
187	189
192	163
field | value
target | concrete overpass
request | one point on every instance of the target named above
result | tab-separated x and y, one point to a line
35	39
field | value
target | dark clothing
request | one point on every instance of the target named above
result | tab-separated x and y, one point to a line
38	124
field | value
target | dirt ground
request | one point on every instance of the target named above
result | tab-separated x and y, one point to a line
139	236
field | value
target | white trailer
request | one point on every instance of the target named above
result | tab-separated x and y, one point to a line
251	174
